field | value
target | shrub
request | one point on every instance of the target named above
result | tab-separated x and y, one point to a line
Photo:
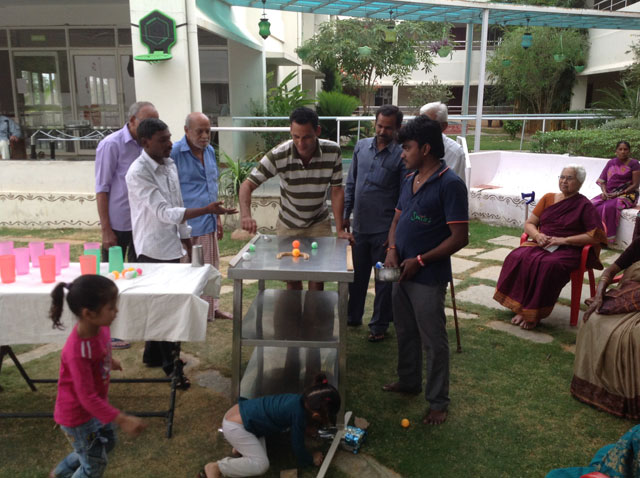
233	174
512	127
597	143
633	123
281	101
334	103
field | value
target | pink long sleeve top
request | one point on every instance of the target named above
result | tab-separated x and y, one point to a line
85	368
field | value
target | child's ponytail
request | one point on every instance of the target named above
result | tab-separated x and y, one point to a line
86	292
322	398
57	299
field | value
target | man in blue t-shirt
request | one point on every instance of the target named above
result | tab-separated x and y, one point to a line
430	224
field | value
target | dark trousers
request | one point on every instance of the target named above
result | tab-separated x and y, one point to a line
125	241
420	324
160	353
367	250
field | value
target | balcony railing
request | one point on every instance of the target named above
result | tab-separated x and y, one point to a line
612	5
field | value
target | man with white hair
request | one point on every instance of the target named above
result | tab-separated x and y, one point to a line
453	152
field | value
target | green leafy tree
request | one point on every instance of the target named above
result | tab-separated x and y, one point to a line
339	45
535	80
632	75
428	92
281	101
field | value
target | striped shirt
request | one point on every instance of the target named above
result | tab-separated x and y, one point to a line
303	189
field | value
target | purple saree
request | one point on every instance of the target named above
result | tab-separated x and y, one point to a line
531	277
616	176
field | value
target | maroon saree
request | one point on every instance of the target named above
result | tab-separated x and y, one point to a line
531	277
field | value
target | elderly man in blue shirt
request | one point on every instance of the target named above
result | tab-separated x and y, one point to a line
9	133
198	172
372	191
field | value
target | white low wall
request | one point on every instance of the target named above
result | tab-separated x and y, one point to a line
56	194
499	177
47	194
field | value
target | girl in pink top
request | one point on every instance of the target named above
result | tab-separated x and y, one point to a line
82	409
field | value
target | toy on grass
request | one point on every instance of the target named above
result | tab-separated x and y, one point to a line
405	423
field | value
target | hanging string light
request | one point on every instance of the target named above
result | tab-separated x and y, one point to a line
527	38
390	34
264	25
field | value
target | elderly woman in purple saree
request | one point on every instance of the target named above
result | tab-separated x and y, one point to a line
619	183
533	275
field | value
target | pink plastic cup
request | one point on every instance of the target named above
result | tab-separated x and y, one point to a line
47	268
6	248
56	254
63	253
36	249
22	260
8	268
92	245
88	264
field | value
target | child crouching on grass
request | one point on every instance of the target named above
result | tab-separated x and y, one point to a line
82	409
246	425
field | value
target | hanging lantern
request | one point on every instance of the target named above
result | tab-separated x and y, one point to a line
390	34
527	38
364	51
264	25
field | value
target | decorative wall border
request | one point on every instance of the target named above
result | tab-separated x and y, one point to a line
81	198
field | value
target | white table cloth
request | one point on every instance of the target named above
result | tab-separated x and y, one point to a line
161	304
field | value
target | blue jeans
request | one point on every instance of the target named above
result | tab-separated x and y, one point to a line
91	442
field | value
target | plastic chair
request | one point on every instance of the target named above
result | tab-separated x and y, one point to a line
577	277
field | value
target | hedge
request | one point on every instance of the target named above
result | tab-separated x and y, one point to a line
596	143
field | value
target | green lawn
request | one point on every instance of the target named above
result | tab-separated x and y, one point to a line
511	413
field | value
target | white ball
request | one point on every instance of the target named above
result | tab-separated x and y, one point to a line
246	256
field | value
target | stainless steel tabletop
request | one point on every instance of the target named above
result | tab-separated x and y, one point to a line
327	263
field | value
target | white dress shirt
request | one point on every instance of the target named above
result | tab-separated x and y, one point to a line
454	157
157	210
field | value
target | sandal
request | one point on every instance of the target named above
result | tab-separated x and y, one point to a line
182	382
376	337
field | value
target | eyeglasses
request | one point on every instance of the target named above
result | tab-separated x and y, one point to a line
568	178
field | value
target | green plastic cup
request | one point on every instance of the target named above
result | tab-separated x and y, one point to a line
98	254
116	261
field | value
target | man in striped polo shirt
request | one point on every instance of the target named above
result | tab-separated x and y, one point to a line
307	167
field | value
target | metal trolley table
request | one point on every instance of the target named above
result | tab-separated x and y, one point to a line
295	334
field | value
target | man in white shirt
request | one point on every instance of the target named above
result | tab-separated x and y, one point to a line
158	218
453	152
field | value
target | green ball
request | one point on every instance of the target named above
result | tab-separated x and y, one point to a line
252	248
314	245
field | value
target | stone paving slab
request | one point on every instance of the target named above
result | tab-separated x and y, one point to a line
481	295
489	273
506	241
459	265
362	465
559	319
33	354
468	251
565	293
461	314
226	289
495	255
517	331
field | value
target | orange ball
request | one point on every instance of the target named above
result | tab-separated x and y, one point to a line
295	244
295	252
405	423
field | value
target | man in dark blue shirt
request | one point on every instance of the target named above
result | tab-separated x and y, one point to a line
430	224
372	191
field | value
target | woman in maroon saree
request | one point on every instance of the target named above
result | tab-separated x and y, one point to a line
533	275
